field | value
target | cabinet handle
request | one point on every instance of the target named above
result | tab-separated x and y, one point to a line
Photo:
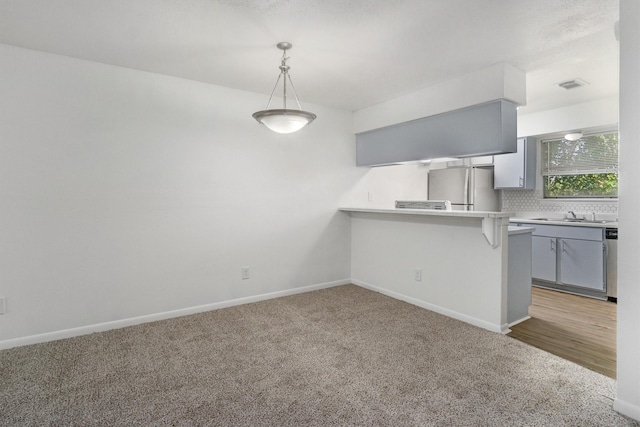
553	244
521	180
564	246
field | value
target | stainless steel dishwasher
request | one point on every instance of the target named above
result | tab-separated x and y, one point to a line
611	236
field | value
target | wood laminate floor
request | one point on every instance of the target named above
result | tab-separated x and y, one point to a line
576	328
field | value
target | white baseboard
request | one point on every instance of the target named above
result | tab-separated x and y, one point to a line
117	324
519	321
627	409
493	327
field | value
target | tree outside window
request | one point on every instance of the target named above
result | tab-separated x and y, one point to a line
586	168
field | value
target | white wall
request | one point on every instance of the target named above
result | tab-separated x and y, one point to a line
594	114
380	187
628	372
484	85
462	275
127	193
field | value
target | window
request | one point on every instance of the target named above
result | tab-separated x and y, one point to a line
586	168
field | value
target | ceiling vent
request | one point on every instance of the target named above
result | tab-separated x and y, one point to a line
572	84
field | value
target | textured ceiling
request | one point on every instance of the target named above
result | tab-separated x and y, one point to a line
346	54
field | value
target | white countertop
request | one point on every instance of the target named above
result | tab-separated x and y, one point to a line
478	214
490	222
559	221
520	230
429	212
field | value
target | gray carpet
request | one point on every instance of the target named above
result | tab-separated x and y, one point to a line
340	356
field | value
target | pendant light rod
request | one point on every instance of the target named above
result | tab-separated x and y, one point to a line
273	91
295	94
284	74
284	70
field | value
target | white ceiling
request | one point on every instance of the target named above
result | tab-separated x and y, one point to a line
346	54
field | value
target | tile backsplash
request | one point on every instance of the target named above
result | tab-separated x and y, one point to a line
532	201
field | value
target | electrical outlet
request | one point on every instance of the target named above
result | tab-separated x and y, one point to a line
417	275
370	196
245	272
3	307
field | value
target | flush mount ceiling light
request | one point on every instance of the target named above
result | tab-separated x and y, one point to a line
284	120
573	136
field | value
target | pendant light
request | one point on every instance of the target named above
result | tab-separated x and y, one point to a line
283	120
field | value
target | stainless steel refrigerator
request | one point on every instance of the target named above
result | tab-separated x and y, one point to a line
467	188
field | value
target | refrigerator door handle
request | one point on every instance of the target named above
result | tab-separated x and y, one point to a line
468	184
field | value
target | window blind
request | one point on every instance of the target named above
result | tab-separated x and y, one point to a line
591	154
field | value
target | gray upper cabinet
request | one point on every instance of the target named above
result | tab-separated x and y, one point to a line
516	170
478	130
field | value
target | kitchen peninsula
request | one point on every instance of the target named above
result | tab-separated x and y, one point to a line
451	262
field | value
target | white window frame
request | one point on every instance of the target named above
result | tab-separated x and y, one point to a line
575	166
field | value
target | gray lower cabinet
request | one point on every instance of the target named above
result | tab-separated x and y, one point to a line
569	258
519	277
582	263
543	250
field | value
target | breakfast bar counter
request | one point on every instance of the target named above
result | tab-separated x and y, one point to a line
490	229
451	262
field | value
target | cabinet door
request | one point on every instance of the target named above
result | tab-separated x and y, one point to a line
582	263
509	169
543	265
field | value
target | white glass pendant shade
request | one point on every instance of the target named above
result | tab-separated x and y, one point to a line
284	121
573	136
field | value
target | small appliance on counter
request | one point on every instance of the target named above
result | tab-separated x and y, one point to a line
438	205
467	188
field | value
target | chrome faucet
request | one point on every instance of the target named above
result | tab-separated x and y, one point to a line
574	217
